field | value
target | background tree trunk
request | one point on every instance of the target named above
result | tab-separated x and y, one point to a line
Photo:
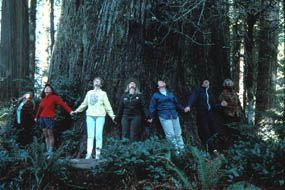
250	64
52	32
267	63
33	19
14	45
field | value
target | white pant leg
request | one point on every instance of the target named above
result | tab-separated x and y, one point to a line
178	133
100	121
167	126
91	123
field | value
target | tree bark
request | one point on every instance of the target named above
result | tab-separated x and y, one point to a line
33	19
14	45
52	32
121	39
267	62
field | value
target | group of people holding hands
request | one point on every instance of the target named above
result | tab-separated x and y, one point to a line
132	110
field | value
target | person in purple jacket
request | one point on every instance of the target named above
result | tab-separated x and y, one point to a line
204	101
166	105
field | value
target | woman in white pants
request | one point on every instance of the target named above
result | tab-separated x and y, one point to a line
97	103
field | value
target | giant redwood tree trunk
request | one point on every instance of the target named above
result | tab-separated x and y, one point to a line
14	59
148	40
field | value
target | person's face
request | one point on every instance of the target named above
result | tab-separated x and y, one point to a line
97	82
27	96
206	83
229	84
161	84
48	90
132	85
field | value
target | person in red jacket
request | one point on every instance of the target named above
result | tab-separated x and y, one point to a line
46	113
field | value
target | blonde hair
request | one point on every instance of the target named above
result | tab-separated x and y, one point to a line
30	99
228	81
137	91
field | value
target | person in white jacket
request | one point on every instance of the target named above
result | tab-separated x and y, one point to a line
97	103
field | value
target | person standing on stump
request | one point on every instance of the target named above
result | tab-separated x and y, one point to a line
97	104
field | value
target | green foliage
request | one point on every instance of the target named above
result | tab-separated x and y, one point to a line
243	185
257	159
139	161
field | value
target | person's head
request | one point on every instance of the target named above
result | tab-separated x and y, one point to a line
132	85
48	89
98	82
206	83
161	84
228	83
26	96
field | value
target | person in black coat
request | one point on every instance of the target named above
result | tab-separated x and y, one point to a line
24	118
131	111
204	102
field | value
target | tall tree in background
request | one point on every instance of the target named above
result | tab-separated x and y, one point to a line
33	19
14	59
267	62
52	31
250	19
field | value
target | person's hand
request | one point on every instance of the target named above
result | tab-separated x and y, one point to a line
187	109
114	121
224	103
35	119
72	113
149	120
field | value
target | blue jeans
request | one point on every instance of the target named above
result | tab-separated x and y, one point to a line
95	127
173	131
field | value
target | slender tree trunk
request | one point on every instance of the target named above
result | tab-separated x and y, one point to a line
14	45
250	64
267	63
52	32
33	19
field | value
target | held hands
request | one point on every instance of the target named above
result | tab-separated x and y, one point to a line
149	120
114	120
187	109
224	103
72	113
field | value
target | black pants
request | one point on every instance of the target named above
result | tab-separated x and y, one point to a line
207	128
131	127
230	133
25	135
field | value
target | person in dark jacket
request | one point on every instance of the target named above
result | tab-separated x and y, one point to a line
24	118
207	125
131	111
166	105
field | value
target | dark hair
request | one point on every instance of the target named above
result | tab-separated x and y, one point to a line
43	94
101	80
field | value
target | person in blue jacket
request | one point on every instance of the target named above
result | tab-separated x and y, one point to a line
166	105
204	101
